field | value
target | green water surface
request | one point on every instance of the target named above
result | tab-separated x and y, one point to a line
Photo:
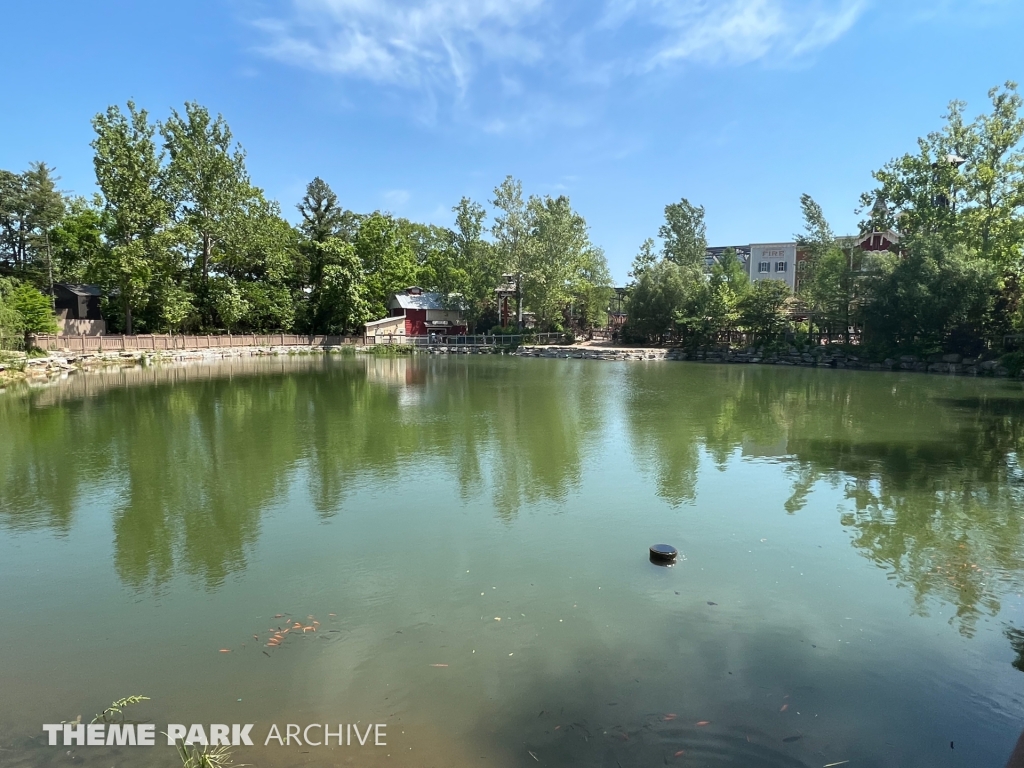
849	584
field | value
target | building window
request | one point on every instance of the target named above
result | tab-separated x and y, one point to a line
764	266
780	266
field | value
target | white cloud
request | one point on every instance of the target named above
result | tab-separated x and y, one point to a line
720	32
418	44
448	47
397	197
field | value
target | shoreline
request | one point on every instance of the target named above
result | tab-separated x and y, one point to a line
950	365
55	364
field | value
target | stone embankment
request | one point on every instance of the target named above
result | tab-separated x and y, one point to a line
57	363
820	358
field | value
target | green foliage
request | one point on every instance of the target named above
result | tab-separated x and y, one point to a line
684	234
35	309
12	324
136	214
937	297
205	757
115	712
77	239
340	304
657	301
387	259
228	301
965	182
762	309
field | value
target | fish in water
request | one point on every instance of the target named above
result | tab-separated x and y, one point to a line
791	739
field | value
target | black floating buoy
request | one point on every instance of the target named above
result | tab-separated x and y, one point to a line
663	554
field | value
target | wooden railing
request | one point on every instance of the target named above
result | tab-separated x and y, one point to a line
185	342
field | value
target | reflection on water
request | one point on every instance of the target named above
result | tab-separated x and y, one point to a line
930	468
196	454
419	501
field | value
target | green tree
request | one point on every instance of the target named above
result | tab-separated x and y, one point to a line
826	280
937	297
46	207
135	214
322	217
77	239
512	241
684	234
387	260
14	219
228	301
12	325
656	300
560	247
205	179
35	309
762	309
965	183
343	304
474	262
644	260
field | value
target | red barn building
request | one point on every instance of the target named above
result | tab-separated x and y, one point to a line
426	313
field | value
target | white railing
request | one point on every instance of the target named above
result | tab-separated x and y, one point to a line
477	340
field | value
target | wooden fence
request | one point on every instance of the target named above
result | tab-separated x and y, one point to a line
172	341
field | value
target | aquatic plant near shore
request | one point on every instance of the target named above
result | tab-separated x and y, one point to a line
116	710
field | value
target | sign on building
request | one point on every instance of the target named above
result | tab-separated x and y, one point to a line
773	261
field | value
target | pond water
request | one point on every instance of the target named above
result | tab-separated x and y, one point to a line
848	587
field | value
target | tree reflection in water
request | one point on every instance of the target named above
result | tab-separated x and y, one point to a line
929	465
194	456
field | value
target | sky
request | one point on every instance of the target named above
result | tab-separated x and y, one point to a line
623	105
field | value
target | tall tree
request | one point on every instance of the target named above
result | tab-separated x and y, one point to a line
763	309
388	262
511	232
14	218
826	280
965	183
46	207
684	234
77	239
129	176
473	261
560	241
322	217
205	179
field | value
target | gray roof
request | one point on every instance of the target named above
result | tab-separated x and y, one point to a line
424	300
421	301
80	289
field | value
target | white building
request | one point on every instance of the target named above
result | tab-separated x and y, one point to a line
773	261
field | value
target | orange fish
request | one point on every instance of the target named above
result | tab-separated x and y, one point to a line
680	752
332	614
784	707
439	665
669	717
702	723
225	650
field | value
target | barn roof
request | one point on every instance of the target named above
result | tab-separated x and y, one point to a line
80	289
419	301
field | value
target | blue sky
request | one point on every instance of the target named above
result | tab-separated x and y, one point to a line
624	105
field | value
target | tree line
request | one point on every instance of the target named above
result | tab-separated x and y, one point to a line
181	240
957	204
